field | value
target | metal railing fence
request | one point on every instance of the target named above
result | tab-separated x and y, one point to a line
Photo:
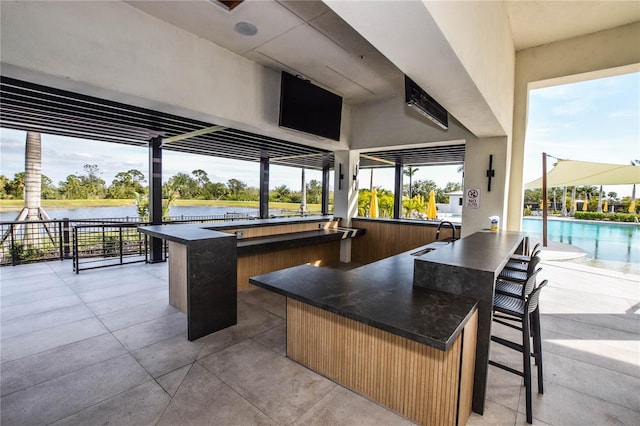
90	243
102	245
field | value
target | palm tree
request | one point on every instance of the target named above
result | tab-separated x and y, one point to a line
572	210
632	206
32	210
303	193
32	176
410	171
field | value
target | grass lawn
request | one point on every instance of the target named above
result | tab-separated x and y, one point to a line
16	205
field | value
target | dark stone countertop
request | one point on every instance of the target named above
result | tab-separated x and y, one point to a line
294	239
380	294
255	223
485	251
184	233
187	233
432	223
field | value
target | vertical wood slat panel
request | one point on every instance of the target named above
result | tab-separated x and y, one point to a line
260	263
410	378
178	276
468	362
263	231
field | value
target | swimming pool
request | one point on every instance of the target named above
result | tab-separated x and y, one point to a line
601	240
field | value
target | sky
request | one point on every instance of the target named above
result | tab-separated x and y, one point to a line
595	120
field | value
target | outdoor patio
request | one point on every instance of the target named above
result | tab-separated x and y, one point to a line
104	347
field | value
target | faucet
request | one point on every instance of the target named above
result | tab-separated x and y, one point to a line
453	230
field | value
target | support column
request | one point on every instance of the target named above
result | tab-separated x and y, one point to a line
155	196
264	187
397	192
476	164
345	193
325	188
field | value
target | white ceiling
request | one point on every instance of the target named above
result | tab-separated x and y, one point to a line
309	39
534	23
300	37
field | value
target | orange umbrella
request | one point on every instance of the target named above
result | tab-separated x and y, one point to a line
605	208
585	205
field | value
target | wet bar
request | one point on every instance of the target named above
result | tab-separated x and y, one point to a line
469	267
209	263
411	349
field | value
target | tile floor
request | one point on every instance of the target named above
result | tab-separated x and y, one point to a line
104	347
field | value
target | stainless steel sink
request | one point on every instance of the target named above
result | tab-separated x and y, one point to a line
423	251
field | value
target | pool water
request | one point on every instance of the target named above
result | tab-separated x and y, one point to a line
601	240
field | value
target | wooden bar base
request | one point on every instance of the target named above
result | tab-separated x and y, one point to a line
427	385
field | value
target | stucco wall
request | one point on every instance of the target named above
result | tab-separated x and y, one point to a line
390	121
492	203
604	50
480	35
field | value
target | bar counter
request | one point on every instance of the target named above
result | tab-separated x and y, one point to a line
411	349
380	294
210	262
470	266
438	296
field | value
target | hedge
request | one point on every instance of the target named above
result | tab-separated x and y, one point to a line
613	217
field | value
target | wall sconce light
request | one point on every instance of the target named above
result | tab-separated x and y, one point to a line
340	177
490	173
355	173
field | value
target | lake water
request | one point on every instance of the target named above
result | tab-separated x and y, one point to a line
601	240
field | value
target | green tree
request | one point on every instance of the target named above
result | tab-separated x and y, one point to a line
94	186
72	188
281	194
448	188
237	189
201	177
314	192
141	202
532	195
214	191
48	189
15	187
410	171
424	187
185	185
126	184
4	182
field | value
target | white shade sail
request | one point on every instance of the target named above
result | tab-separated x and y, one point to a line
574	173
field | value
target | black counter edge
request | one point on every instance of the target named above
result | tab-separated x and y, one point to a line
280	241
437	344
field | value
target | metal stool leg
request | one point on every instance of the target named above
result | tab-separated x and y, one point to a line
526	357
537	341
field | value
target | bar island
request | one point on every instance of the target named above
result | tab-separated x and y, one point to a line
411	349
395	331
210	262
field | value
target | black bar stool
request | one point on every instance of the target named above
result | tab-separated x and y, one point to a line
511	311
521	262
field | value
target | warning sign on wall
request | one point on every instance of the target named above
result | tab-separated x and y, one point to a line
472	198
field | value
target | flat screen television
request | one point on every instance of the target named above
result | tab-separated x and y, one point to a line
309	108
420	101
